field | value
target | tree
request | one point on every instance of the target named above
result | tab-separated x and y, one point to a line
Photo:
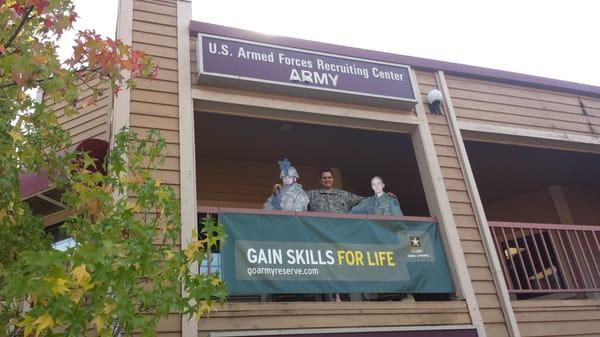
126	270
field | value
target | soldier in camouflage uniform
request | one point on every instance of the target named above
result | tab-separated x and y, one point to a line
291	196
381	203
329	199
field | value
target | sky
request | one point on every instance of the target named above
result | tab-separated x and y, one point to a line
554	39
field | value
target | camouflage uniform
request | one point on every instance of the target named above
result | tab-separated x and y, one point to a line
383	205
290	197
331	200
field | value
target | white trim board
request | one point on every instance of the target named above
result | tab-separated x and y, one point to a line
336	330
439	206
295	104
122	103
479	212
528	133
187	155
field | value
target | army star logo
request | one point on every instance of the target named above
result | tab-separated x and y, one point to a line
416	243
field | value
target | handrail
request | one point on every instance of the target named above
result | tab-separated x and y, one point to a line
548	258
508	224
216	210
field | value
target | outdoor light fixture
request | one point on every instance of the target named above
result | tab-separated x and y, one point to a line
434	98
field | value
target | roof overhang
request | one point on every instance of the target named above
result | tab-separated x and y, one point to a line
37	189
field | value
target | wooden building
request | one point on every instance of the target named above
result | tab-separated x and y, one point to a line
509	167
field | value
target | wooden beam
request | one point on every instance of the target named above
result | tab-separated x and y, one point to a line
280	107
484	229
560	204
326	331
439	206
121	104
529	137
187	157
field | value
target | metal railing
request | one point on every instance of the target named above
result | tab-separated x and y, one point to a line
548	258
217	210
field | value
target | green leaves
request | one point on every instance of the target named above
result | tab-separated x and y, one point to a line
127	269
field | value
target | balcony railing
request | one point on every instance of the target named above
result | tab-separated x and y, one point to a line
548	258
217	210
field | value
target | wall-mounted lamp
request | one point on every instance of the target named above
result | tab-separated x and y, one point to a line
434	98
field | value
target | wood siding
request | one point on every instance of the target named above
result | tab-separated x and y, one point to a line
508	105
90	121
554	318
468	231
193	60
154	104
302	315
497	104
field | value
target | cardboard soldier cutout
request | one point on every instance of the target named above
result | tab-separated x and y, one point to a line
381	203
329	199
291	196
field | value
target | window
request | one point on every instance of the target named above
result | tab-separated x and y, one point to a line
60	241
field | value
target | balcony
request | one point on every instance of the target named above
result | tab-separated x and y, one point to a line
532	196
344	261
539	259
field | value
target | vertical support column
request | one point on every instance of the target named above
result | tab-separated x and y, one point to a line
121	104
473	192
187	158
560	204
439	205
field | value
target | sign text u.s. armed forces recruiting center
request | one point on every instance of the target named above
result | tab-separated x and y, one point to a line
288	254
277	65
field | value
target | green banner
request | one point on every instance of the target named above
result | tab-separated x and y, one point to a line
275	254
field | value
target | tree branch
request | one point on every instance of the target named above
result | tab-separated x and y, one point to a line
6	85
21	24
16	332
14	51
41	80
12	83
